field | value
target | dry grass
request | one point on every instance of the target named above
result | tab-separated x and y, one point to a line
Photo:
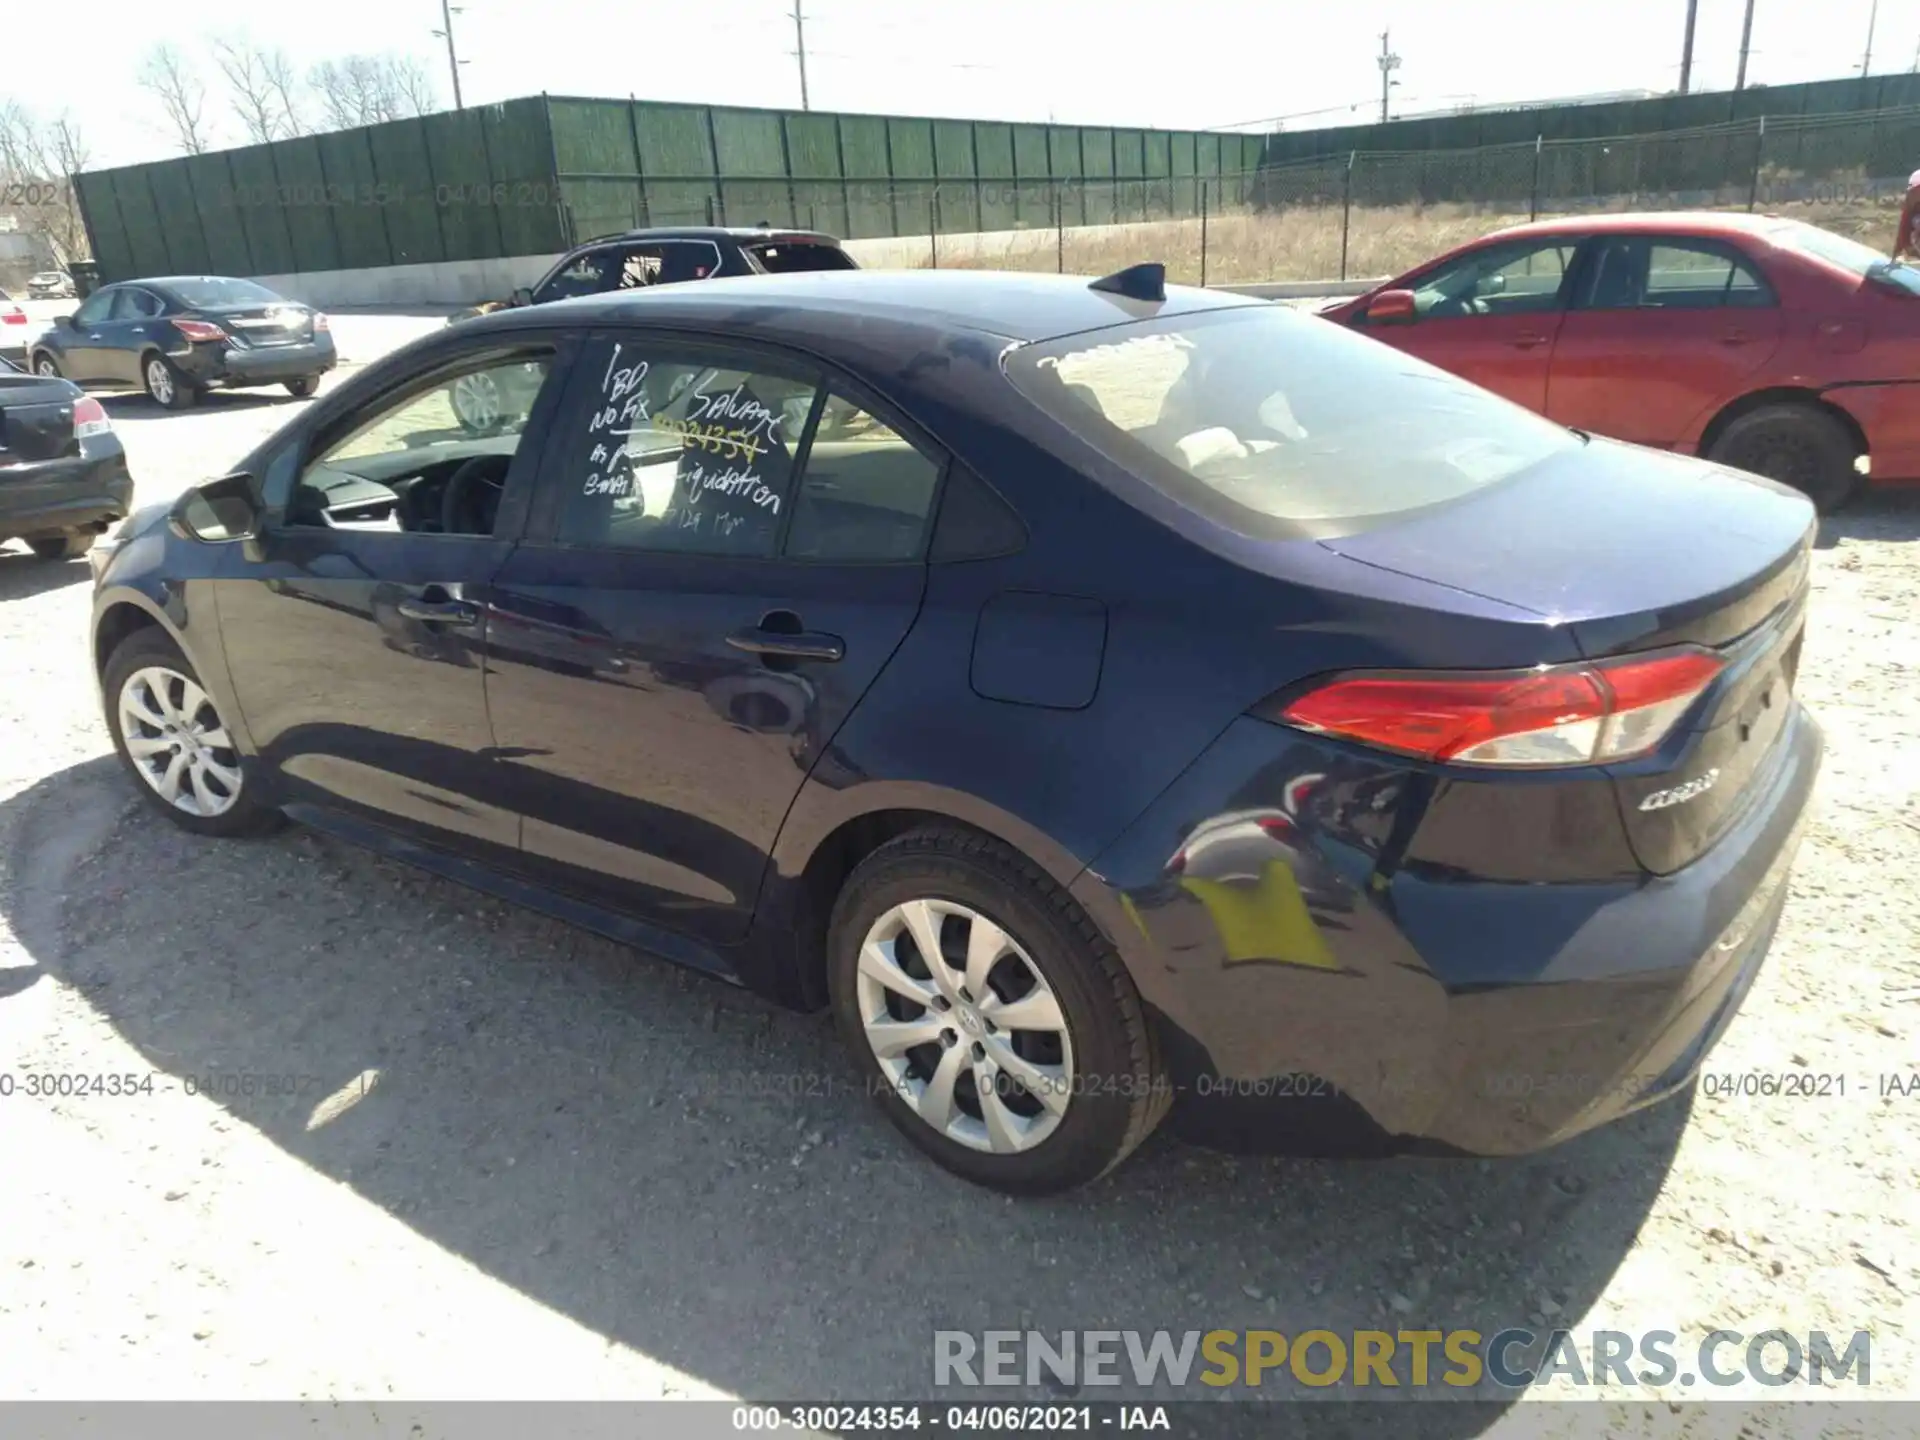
1304	243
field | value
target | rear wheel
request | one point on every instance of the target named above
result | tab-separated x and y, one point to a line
1796	445
176	743
477	403
60	547
994	1022
165	385
303	387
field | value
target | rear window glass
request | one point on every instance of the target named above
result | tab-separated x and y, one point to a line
784	258
1849	255
1274	423
216	291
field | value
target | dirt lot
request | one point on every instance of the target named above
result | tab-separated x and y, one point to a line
519	1161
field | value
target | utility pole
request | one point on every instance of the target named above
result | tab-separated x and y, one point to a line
1873	18
1746	41
447	12
1389	62
800	37
1686	50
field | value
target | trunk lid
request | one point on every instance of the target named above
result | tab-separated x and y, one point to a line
261	326
1635	550
36	421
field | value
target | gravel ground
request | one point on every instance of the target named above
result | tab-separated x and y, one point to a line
521	1162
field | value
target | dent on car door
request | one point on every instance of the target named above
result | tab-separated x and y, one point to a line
1491	316
1664	330
356	637
725	556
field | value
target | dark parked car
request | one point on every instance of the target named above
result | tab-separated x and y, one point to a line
179	336
63	473
1104	697
635	260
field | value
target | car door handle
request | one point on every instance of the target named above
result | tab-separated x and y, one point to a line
1528	340
94	336
438	612
806	645
1734	337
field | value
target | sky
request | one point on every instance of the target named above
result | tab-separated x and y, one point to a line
1159	63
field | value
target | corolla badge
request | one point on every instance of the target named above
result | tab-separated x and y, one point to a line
1680	794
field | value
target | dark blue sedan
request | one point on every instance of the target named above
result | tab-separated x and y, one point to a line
1107	698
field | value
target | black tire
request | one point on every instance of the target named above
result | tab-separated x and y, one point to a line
1118	1090
61	547
1797	445
249	814
304	387
177	393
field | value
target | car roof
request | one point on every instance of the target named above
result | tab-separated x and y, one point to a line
1695	222
739	234
794	308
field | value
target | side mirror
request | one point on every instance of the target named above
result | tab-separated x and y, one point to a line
522	296
1391	307
219	511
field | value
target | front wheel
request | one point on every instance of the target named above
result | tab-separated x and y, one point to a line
477	403
1796	445
176	743
305	386
995	1024
46	367
165	385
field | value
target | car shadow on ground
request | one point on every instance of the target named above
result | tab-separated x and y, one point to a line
697	1175
24	574
135	405
1888	514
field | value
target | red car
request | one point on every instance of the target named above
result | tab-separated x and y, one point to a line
1761	343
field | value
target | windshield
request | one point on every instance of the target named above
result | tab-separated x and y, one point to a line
1278	424
788	257
212	292
1850	255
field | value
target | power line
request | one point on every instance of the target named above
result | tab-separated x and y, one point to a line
454	62
1746	42
1389	62
800	38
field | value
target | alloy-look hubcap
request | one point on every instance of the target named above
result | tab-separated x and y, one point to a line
965	1027
476	401
159	382
177	742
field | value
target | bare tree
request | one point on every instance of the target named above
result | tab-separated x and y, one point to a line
169	77
413	84
261	86
286	89
38	160
369	89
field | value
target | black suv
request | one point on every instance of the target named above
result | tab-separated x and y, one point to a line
631	260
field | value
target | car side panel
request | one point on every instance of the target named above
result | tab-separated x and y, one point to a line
1890	416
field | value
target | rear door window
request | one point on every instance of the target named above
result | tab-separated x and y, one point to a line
791	257
1636	272
1276	424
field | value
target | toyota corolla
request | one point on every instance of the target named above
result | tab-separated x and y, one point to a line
1108	698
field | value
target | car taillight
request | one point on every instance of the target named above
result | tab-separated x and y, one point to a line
1555	715
321	322
13	315
199	330
90	418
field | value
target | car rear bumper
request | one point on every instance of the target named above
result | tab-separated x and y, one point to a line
58	495
1323	995
259	365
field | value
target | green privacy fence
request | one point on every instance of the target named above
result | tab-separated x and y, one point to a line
1550	123
531	177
